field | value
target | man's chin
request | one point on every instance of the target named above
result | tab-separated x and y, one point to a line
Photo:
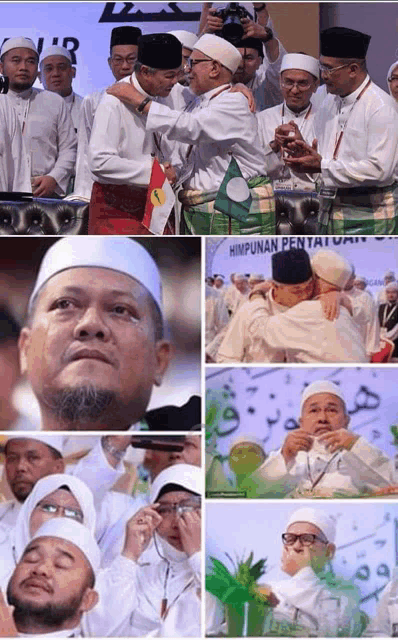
76	404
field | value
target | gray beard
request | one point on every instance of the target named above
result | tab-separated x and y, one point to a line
81	404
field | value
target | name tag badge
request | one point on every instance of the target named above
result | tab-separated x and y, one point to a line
283	185
329	193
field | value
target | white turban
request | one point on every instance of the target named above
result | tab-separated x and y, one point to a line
389	274
324	522
55	50
219	49
391	69
187	476
332	267
74	532
17	43
256	276
43	488
392	286
187	38
302	62
247	438
321	386
51	440
116	253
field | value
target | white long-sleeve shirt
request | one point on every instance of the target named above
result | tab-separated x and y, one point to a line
385	622
368	153
265	84
14	168
48	133
74	102
220	124
366	316
216	313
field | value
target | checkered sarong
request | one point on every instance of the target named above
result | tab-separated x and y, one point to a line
361	211
202	219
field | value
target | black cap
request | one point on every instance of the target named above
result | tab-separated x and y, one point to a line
340	42
125	35
291	267
9	328
251	43
160	51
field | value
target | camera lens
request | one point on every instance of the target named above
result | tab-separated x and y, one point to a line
4	84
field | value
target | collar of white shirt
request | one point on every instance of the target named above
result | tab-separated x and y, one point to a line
206	97
353	96
70	98
296	114
136	84
25	95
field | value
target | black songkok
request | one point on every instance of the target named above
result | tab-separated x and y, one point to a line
340	42
125	35
291	267
160	51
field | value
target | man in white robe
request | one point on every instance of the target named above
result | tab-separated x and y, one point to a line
46	125
364	313
216	314
385	622
14	167
322	456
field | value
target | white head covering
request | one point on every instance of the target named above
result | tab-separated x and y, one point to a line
16	43
389	274
256	276
322	520
187	38
188	476
321	386
55	50
119	254
219	49
239	277
332	267
54	441
74	532
247	438
392	286
302	62
43	488
218	277
391	69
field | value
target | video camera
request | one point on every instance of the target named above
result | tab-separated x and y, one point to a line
231	15
4	84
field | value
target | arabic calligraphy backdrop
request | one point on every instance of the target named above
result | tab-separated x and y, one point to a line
366	539
266	402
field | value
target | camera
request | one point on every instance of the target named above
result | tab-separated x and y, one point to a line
232	29
4	84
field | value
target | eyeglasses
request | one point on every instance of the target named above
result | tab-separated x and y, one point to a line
302	85
118	60
178	508
191	63
392	78
327	71
66	512
306	539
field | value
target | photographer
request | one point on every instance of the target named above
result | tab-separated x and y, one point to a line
261	52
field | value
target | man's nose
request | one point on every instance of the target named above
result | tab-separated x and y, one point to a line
92	325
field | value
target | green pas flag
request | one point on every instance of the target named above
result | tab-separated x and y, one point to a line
234	197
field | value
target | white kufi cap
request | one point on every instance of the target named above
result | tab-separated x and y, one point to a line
302	62
322	520
389	274
332	267
16	43
119	254
74	532
247	438
219	49
187	476
187	38
54	441
55	50
321	386
391	69
239	277
256	276
392	286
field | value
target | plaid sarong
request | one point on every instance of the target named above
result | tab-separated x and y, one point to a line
362	211
202	219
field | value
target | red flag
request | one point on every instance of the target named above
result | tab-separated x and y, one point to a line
160	200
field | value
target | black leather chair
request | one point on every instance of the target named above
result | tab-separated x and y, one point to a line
296	213
43	216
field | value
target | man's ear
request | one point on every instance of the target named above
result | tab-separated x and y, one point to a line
40	78
89	600
164	353
109	63
59	465
73	72
330	551
23	346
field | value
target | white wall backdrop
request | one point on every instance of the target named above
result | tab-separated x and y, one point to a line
266	402
366	539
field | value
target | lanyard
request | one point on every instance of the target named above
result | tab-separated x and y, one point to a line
303	119
319	478
25	113
387	316
343	128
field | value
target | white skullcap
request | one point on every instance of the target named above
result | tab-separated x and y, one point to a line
321	386
74	532
219	49
391	69
247	438
389	274
332	267
240	276
391	286
187	38
302	62
54	441
256	276
322	520
361	279
218	277
55	50
187	476
16	43
119	254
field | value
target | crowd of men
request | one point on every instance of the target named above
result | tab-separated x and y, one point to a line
287	317
188	100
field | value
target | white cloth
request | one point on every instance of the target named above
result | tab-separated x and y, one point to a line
216	314
268	120
306	336
385	622
368	154
242	342
49	136
363	466
14	168
230	295
366	317
83	178
65	633
74	102
220	124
